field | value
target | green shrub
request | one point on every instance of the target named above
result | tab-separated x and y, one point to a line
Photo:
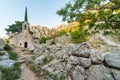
12	54
7	47
79	36
43	40
7	41
11	73
107	32
54	76
60	33
46	60
117	34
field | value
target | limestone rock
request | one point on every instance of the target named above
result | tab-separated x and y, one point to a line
4	55
85	62
39	59
30	59
106	40
70	48
82	50
99	72
70	67
73	60
62	55
50	66
7	63
79	73
96	57
116	74
113	60
62	40
40	31
2	44
49	42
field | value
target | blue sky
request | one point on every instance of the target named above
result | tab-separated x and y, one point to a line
40	12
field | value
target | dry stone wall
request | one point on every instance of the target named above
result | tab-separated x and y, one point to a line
76	62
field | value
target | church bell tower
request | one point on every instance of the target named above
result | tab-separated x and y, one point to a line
25	24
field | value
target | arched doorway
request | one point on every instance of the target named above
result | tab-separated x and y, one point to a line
25	44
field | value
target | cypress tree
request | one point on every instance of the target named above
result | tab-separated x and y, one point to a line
26	16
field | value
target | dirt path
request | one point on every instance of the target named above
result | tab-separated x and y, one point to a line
26	72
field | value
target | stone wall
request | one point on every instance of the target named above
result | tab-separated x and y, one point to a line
76	62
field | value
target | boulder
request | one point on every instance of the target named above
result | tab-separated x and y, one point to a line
70	48
39	59
96	57
73	60
99	72
50	67
49	42
30	59
4	55
2	44
70	67
7	63
54	48
37	52
113	60
82	50
62	54
116	74
79	73
85	62
106	40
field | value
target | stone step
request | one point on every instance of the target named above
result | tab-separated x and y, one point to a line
21	61
21	58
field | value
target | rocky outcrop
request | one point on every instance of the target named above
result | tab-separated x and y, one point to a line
79	73
75	62
113	60
2	44
5	61
99	72
116	74
40	31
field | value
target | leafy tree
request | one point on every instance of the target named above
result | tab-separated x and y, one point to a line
16	27
79	36
92	13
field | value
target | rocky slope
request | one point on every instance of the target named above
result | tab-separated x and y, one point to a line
84	61
5	61
42	31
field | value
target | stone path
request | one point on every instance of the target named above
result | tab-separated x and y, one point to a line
26	72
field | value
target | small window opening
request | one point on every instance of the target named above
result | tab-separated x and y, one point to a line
35	41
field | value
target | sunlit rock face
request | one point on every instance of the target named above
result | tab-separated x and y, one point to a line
40	31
